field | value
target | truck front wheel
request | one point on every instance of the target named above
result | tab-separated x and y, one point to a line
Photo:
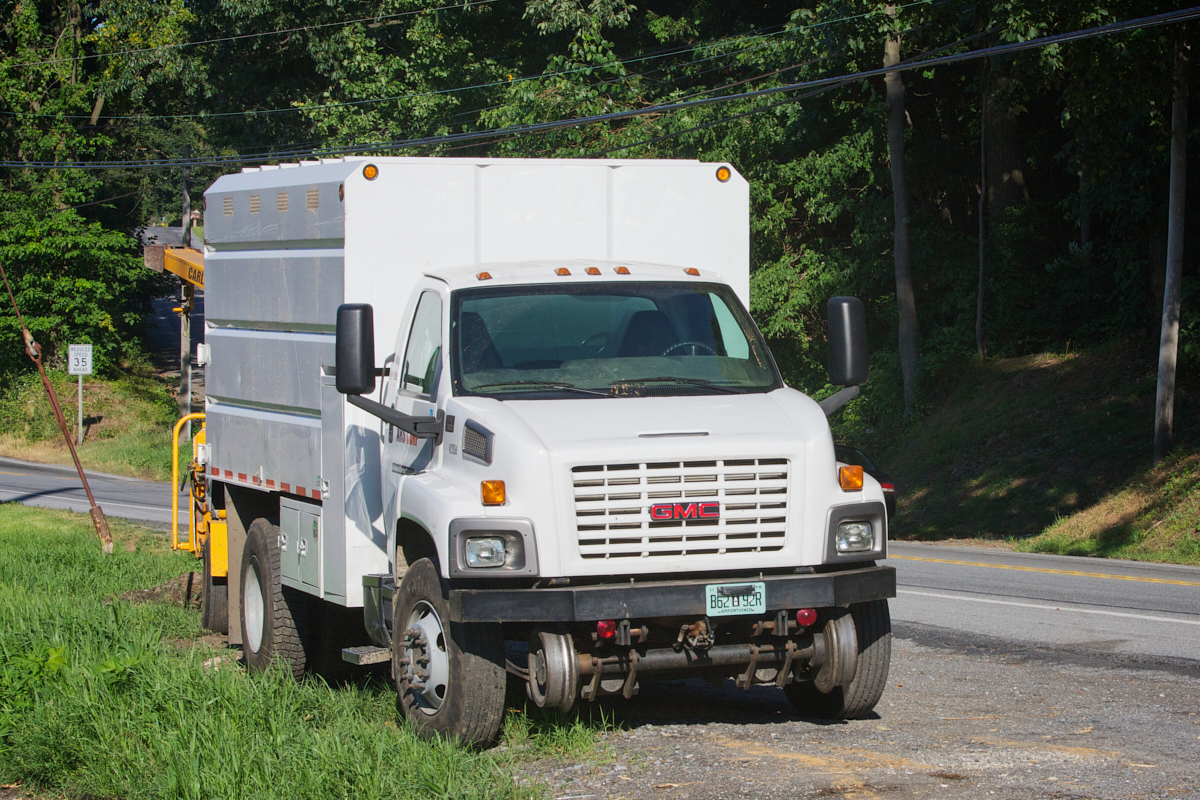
873	631
450	676
274	617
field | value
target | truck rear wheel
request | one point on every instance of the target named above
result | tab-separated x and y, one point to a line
274	617
873	630
450	676
214	602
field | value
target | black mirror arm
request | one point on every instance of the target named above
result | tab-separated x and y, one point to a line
420	427
833	404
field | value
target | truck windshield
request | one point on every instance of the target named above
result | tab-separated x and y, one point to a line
636	339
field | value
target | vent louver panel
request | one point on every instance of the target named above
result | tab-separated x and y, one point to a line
613	502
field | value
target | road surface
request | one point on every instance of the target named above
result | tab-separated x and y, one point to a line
1134	610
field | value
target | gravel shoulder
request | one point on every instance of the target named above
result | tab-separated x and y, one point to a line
959	720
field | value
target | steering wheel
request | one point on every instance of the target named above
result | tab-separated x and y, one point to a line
689	349
600	339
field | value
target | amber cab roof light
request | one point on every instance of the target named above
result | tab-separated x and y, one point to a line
724	174
622	270
562	272
484	276
370	172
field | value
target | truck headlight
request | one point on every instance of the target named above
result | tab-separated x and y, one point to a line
855	537
485	552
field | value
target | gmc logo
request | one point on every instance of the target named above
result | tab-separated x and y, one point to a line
666	511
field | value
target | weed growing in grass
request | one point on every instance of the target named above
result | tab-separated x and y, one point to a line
98	698
551	732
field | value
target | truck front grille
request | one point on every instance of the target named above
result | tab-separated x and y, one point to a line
613	508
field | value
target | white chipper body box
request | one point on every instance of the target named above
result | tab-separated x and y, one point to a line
534	386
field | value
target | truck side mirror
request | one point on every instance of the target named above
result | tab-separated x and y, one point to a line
354	352
847	341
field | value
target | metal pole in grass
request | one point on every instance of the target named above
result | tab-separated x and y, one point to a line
34	351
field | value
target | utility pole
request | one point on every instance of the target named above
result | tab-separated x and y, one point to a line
187	296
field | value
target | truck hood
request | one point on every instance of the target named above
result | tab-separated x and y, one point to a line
588	424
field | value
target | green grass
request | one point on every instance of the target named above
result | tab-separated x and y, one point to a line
1053	451
127	423
105	698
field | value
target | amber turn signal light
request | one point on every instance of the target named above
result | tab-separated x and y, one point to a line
723	174
370	172
850	478
492	492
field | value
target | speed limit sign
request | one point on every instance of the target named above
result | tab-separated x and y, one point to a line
79	359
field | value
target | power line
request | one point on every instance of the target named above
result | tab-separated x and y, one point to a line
987	52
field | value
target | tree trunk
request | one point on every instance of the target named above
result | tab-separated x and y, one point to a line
979	346
904	288
1164	414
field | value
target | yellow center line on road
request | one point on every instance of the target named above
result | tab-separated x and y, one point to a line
22	474
1049	571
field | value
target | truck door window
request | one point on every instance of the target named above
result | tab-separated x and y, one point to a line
421	353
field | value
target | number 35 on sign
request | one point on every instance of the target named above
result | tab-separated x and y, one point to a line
79	359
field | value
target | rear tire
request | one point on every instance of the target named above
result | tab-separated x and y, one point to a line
274	617
450	676
873	630
214	602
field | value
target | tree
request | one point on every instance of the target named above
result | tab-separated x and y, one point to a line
905	297
1164	410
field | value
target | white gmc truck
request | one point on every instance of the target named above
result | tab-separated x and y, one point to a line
457	408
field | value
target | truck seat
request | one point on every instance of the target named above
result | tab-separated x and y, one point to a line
476	346
649	333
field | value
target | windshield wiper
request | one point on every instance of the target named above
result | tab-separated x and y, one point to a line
673	379
548	384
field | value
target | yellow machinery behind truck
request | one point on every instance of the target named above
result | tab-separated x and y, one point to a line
206	528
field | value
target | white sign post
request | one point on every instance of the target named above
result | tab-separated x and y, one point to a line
79	362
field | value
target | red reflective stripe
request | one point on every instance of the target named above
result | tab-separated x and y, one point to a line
241	476
216	471
300	490
270	483
316	494
228	474
287	487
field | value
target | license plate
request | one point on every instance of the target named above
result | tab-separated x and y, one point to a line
731	599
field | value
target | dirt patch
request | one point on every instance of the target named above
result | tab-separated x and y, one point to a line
182	591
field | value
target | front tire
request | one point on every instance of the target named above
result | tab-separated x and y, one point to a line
450	676
274	617
873	631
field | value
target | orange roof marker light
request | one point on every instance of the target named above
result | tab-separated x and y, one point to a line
622	270
593	270
692	271
370	172
484	276
562	272
724	174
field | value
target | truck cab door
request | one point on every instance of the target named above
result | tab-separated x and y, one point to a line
415	388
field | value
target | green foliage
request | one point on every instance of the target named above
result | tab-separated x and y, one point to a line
106	698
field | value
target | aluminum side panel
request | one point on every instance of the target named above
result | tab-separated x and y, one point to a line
276	205
274	289
269	369
287	447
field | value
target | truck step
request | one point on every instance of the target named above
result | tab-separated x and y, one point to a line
366	655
